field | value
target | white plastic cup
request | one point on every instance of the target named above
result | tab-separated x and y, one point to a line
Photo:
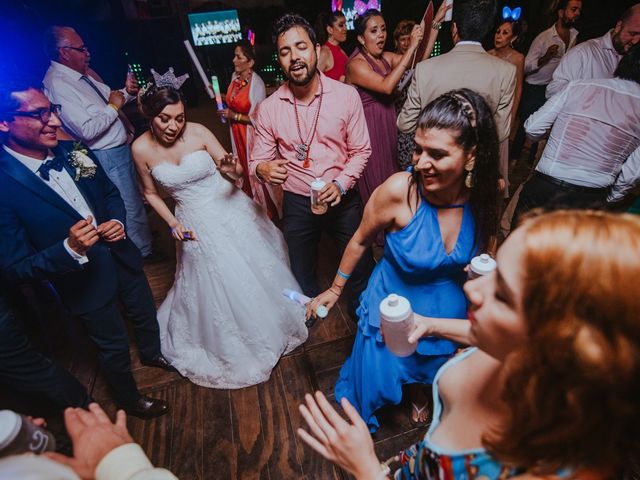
18	435
396	318
481	265
300	298
317	207
449	14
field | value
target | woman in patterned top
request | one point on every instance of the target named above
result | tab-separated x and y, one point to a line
551	388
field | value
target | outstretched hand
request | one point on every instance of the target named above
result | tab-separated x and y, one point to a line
346	443
327	298
228	164
93	436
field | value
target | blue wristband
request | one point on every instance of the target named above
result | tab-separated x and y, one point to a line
342	190
343	275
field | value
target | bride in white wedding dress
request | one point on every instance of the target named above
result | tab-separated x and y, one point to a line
224	323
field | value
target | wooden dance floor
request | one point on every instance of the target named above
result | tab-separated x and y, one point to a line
250	433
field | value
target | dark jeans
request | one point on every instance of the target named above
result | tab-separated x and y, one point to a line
107	329
542	191
25	369
533	97
302	231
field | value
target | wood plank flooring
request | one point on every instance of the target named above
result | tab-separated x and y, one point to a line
248	433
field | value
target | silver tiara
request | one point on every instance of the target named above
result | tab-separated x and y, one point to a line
168	79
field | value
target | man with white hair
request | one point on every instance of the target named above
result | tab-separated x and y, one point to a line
91	112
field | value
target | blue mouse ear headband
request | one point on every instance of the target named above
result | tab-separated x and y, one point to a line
508	14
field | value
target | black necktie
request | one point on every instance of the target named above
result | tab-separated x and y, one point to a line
56	164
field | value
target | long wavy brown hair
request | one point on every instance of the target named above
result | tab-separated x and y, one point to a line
573	390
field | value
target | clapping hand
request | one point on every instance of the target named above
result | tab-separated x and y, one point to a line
93	436
346	443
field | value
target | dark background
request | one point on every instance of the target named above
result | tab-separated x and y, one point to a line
151	32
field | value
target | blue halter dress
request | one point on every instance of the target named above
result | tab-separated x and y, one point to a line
416	266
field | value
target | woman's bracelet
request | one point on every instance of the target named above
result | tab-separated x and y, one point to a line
337	291
343	275
436	25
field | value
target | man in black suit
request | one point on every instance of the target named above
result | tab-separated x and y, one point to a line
24	369
62	219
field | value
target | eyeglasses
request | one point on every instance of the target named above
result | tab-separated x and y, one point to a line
82	49
42	114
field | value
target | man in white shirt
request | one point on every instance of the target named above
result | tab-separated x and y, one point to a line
544	55
593	152
91	113
598	57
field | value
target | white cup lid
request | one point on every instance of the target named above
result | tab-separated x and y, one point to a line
483	264
395	307
318	183
9	427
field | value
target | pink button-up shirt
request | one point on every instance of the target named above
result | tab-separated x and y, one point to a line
340	147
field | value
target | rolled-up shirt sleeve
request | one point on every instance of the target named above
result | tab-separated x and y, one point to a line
627	179
358	144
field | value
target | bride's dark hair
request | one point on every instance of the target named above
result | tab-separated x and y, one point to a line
153	99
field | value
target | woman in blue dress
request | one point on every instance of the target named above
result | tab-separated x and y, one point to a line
435	220
551	386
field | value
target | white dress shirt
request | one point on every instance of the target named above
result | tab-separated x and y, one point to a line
595	139
84	114
61	183
536	75
595	58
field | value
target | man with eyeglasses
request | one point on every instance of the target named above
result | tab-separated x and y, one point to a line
62	220
92	113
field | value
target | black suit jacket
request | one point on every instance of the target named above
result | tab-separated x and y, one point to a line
34	222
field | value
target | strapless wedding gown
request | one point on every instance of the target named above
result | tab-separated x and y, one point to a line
225	322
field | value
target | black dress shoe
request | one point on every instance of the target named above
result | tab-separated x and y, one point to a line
146	407
159	362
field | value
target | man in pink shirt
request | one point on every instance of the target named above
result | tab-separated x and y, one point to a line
312	127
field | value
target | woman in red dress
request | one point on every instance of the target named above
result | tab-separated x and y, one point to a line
332	31
244	94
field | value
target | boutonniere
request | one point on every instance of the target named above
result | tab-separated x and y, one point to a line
80	160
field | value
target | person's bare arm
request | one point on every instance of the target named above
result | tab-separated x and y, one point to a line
142	159
379	214
360	73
